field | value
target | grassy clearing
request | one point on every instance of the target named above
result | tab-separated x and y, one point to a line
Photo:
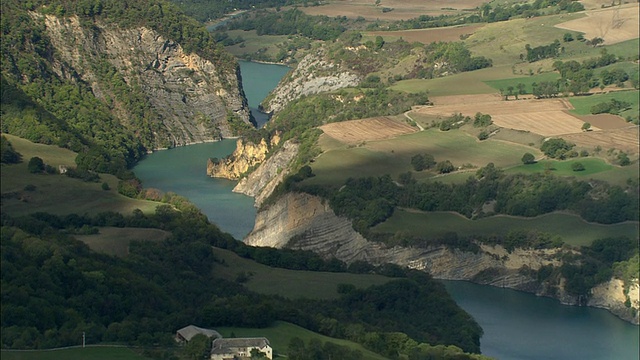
393	156
90	352
59	194
563	168
471	82
583	104
253	43
115	241
281	333
290	283
571	228
527	81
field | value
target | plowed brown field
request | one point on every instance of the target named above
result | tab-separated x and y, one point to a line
547	117
427	36
356	131
402	9
625	139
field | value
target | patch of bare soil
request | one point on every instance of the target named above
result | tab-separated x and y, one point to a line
427	36
605	121
357	131
614	24
625	139
400	9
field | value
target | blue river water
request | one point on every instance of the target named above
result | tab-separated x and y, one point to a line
517	325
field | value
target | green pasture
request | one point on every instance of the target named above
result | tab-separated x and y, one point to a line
89	352
527	81
393	156
59	194
115	241
573	229
471	82
563	168
254	43
281	333
583	104
619	175
290	283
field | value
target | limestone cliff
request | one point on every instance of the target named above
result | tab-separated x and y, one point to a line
260	183
314	74
306	222
246	156
190	96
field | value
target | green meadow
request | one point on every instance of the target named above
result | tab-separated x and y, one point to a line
571	228
563	168
527	81
89	352
281	333
290	283
393	156
55	193
115	241
583	104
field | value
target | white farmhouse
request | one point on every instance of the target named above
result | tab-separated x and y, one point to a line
239	348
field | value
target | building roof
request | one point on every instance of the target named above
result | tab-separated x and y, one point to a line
188	332
222	346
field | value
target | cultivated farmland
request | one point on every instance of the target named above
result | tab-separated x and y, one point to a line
426	36
356	131
402	9
615	24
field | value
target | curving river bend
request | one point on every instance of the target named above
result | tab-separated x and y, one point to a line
517	326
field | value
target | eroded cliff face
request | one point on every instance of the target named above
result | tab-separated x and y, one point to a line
313	75
191	97
306	222
246	156
260	183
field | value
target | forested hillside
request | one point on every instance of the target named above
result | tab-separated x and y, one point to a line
61	83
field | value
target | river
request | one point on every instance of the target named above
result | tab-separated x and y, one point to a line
517	326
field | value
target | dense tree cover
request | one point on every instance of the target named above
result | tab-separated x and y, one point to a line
556	148
368	201
578	78
612	106
291	22
208	10
54	288
455	56
8	155
543	51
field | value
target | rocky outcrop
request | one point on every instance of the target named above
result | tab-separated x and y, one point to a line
612	296
189	94
246	156
313	75
260	183
306	222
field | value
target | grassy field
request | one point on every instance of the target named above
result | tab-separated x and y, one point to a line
290	283
563	168
281	333
583	104
59	194
254	43
115	241
571	228
471	82
527	81
393	156
90	352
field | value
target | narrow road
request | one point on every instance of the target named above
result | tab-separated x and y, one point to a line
406	114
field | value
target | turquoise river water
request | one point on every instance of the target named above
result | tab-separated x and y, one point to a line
517	326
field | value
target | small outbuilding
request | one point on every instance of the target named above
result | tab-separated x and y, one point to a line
185	334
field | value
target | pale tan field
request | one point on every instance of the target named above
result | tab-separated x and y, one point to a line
625	139
402	9
605	121
547	117
371	129
426	36
615	24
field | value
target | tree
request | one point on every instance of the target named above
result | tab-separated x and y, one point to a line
556	147
623	159
568	37
528	158
577	166
595	41
379	42
36	165
586	126
445	167
7	154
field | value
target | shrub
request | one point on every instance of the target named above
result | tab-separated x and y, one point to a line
528	158
445	167
577	166
36	165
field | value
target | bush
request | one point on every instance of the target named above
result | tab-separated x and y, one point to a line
445	167
556	148
577	166
36	165
484	135
105	186
528	158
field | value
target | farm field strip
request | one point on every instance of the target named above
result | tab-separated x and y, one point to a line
625	139
357	131
546	123
426	36
402	9
115	241
614	24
